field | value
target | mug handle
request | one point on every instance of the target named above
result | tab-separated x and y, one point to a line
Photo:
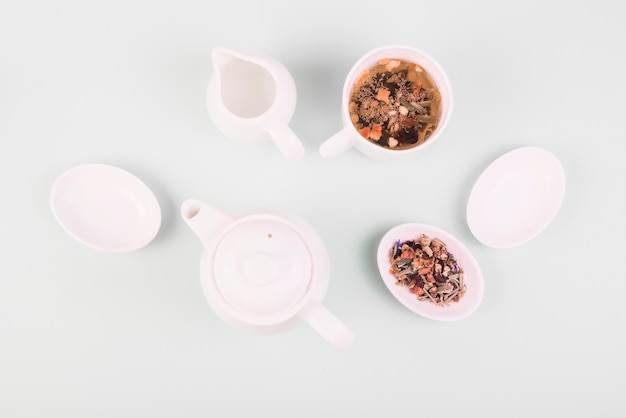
286	141
328	325
337	143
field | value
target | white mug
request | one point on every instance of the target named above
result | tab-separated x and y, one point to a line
349	136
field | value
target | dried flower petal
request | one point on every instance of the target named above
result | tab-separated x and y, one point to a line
365	132
392	64
376	132
383	95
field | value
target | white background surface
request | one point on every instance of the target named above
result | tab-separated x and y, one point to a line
89	334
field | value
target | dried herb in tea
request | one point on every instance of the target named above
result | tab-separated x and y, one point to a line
428	270
395	104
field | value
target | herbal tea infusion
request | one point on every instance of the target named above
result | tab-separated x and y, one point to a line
428	270
395	104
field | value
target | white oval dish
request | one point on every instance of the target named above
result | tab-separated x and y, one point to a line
105	207
472	274
516	197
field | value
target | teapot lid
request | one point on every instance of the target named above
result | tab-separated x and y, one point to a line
262	266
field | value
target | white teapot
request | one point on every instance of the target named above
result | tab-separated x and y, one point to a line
264	272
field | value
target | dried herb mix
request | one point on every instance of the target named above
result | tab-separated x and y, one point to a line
395	104
428	270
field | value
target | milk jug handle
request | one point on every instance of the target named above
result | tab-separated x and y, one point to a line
286	141
328	325
337	143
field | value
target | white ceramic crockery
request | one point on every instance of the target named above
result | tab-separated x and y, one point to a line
516	197
349	136
264	272
252	98
472	274
105	207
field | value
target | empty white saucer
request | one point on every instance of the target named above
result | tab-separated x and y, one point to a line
516	197
105	207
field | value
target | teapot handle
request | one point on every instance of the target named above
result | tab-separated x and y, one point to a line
328	325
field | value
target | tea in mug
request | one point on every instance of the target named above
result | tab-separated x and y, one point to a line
395	104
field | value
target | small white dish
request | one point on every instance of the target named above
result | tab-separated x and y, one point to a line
472	274
516	197
105	207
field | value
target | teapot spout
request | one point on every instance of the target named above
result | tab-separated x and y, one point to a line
204	221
